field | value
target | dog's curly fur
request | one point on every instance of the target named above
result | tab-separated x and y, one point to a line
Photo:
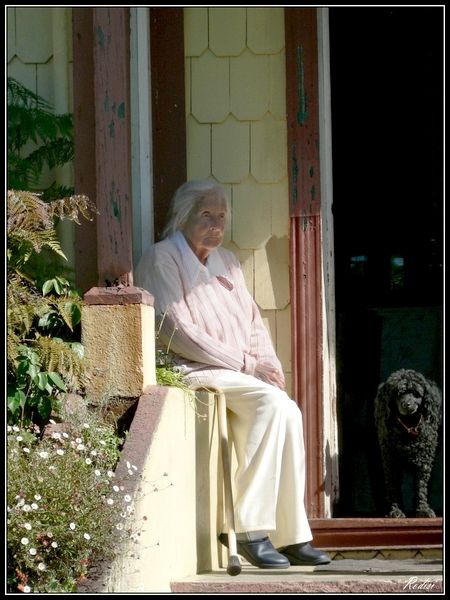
407	417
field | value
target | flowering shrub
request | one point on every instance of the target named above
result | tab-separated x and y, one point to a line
64	508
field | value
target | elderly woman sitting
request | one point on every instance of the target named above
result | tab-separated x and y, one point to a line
219	339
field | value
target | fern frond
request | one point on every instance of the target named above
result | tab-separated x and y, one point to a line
70	208
57	355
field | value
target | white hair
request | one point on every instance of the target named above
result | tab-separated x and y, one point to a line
187	197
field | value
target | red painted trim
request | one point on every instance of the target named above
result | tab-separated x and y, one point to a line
305	241
340	534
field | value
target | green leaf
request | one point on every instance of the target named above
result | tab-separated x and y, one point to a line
57	380
48	286
41	380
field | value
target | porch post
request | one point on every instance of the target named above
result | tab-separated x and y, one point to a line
118	319
305	241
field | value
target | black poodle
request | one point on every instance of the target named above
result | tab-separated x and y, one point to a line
407	418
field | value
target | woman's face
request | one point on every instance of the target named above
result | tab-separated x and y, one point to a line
205	226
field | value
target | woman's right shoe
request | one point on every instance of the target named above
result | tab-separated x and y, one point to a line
259	553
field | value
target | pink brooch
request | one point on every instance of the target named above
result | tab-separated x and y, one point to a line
224	281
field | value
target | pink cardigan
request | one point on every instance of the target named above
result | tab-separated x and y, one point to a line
204	322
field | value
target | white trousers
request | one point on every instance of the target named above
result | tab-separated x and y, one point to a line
267	432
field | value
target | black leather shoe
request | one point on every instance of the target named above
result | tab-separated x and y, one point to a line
259	553
304	554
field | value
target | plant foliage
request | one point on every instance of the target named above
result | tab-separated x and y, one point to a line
45	357
64	508
37	138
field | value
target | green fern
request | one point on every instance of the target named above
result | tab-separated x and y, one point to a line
31	119
44	355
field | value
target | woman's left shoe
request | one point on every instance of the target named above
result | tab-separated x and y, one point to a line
304	554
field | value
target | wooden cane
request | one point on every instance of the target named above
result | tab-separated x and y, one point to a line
234	564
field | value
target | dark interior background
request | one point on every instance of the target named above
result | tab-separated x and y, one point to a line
387	131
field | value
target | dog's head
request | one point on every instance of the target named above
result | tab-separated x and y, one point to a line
406	393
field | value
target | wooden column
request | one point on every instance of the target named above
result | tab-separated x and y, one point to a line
305	240
168	108
86	273
111	30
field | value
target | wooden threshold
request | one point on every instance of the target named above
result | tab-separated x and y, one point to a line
366	533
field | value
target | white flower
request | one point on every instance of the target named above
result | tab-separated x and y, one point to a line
41	566
26	508
116	488
110	501
128	464
34	506
86	425
19	438
72	526
130	472
102	442
56	435
86	536
52	421
88	461
52	468
43	454
27	526
134	467
24	541
26	589
127	498
54	545
32	551
130	508
97	472
65	435
110	473
26	450
119	526
60	452
37	496
78	440
93	452
21	502
15	428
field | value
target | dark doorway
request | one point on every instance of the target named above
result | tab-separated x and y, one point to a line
387	119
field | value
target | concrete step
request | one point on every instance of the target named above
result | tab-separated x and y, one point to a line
373	576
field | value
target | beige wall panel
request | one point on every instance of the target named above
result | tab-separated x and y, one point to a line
45	82
252	214
284	337
280	208
69	35
230	151
249	86
198	142
268	150
34	34
187	86
269	318
277	99
26	74
265	30
246	258
195	31
11	32
227	31
272	274
210	95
